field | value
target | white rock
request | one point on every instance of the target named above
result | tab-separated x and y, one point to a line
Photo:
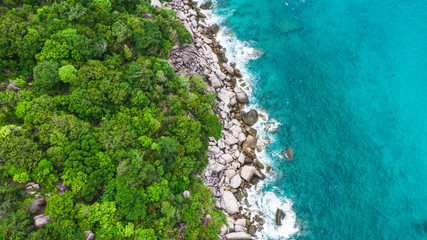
238	228
241	222
241	137
216	168
230	173
231	206
248	172
241	159
192	12
223	230
41	220
229	139
227	158
238	236
214	150
229	69
156	3
236	181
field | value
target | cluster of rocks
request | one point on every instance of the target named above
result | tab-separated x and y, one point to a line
233	165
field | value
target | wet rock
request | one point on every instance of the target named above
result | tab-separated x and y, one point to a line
250	142
215	28
252	230
147	15
238	236
41	220
258	164
279	216
289	154
230	203
252	131
251	117
237	73
206	5
259	175
268	169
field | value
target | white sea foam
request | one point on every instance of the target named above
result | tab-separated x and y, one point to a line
260	200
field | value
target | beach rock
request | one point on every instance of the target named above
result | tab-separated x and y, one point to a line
251	117
147	16
289	154
236	181
258	164
241	95
248	172
250	142
227	158
156	3
238	228
238	236
260	175
229	69
237	73
217	168
206	5
215	28
279	216
240	222
89	235
230	173
252	230
268	169
230	203
41	220
230	140
223	230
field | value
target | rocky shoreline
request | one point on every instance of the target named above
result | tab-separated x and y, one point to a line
233	165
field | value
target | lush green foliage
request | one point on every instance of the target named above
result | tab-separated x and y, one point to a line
99	108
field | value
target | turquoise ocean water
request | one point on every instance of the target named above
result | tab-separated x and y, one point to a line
347	80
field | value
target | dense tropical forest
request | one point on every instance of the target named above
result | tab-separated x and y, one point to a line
96	130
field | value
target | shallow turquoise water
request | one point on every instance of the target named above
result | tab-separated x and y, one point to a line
348	80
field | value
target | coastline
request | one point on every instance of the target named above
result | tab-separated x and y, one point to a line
233	164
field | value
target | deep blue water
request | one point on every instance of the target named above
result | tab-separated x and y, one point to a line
348	81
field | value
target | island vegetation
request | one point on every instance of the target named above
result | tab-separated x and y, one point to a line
93	114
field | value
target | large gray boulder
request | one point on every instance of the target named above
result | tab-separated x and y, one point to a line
230	203
238	236
206	5
41	220
215	28
251	117
241	95
248	172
